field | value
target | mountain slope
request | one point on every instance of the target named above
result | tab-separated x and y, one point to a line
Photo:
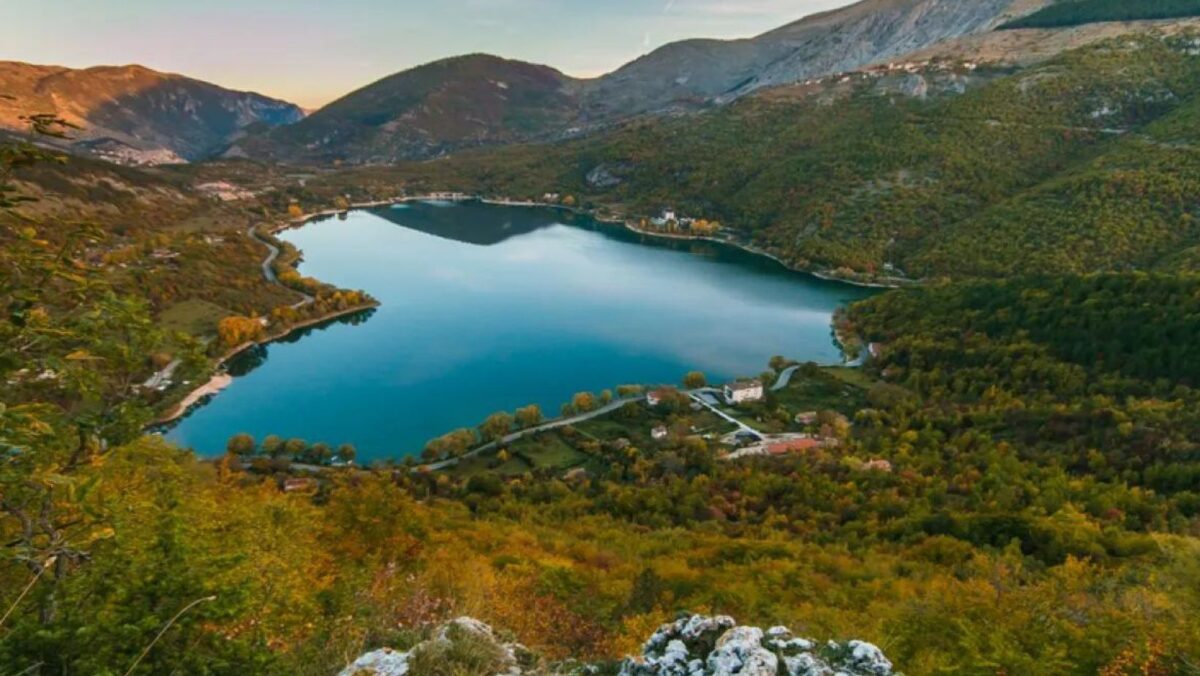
1082	163
134	114
1077	12
478	100
446	105
841	40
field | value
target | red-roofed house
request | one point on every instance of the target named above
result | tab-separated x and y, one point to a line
793	446
655	397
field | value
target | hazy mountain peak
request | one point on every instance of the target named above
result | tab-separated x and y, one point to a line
131	113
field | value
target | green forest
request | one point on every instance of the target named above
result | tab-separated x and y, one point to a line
1076	12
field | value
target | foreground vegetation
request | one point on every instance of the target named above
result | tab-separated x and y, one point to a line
1040	513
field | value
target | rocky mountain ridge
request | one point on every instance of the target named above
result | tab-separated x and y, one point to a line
480	100
135	115
841	40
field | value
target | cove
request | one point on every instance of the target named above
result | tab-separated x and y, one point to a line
487	308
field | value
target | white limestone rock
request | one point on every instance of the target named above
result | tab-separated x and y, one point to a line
867	658
740	651
383	662
699	645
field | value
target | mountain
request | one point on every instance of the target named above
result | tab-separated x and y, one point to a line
446	105
704	71
480	100
932	169
135	115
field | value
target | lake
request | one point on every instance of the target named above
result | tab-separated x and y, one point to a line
488	308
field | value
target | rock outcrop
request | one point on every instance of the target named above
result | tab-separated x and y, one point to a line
469	644
698	645
693	645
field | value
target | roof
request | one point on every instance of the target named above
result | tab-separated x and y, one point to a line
792	445
745	385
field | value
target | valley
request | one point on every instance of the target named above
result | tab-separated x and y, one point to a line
487	308
879	327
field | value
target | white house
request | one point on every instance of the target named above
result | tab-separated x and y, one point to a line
659	433
743	391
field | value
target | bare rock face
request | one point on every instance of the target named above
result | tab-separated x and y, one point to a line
698	645
699	72
382	662
602	177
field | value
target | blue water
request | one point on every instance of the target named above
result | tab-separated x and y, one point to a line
488	308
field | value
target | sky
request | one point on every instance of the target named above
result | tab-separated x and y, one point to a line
312	52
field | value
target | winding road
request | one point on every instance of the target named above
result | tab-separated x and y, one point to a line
553	424
785	377
268	269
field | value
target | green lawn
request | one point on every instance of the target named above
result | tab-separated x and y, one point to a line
838	389
194	317
547	451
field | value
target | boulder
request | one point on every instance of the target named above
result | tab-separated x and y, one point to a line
700	645
510	659
692	645
383	662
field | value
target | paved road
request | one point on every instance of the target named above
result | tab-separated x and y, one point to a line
268	269
785	377
161	377
553	424
695	395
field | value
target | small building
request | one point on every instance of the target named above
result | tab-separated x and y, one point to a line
878	465
659	433
577	475
669	215
299	485
793	446
743	391
656	397
807	418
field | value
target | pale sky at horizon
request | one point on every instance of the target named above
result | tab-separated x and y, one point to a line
312	52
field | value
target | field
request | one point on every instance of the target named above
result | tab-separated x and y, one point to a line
194	317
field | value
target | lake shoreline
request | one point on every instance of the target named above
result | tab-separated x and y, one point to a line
217	381
267	233
618	220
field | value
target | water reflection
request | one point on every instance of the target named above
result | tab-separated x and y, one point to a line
488	308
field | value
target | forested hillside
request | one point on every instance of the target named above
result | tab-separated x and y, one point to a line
1083	164
1000	500
1014	487
1076	12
